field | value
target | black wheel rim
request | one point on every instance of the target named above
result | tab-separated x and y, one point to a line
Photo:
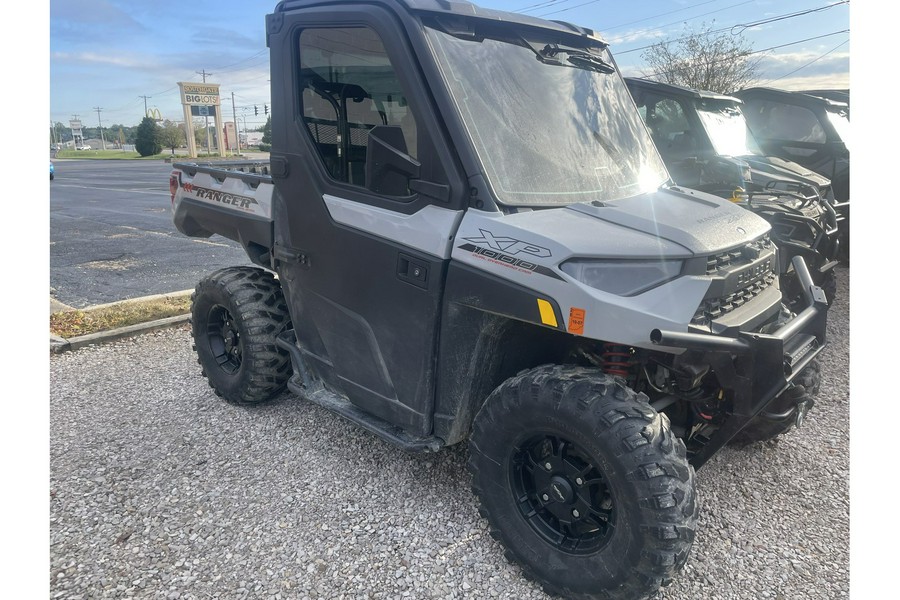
562	494
224	339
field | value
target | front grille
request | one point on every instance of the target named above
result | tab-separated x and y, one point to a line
737	257
714	308
750	282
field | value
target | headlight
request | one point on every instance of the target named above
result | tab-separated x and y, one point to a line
622	278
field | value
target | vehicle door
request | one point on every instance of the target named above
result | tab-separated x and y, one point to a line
678	141
368	198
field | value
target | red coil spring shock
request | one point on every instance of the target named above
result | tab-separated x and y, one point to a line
616	359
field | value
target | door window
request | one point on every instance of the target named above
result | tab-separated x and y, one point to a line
670	128
778	121
348	88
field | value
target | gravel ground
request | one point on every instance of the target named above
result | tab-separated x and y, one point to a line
160	490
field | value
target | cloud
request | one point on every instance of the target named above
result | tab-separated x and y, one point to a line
90	13
808	64
796	59
217	37
92	58
83	22
636	35
838	81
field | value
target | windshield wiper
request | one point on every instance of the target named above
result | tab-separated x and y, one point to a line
581	58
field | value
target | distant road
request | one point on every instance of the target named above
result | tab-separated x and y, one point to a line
112	236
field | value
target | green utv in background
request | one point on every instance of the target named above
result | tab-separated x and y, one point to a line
465	234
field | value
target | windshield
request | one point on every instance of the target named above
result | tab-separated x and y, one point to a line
727	128
547	134
840	120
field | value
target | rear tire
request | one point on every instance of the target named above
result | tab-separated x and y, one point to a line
583	483
236	315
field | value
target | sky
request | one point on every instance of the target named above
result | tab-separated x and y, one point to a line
108	54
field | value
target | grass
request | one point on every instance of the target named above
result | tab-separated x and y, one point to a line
105	154
73	323
120	155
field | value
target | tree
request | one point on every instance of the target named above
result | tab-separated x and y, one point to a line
61	133
199	134
128	132
147	138
171	135
267	131
705	60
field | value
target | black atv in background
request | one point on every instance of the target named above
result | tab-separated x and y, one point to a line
706	145
810	128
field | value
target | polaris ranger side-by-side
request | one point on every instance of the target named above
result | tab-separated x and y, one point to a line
706	144
474	241
808	128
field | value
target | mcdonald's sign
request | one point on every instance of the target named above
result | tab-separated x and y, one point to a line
153	113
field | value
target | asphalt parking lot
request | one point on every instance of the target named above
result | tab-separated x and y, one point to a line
160	490
112	237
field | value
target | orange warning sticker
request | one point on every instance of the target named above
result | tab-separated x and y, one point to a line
576	320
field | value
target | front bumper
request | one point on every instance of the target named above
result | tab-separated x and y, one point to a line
754	368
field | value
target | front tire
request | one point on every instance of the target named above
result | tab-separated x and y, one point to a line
583	483
797	397
236	316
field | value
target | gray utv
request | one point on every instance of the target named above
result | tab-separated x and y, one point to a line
465	235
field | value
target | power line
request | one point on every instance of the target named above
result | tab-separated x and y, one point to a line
735	56
659	15
252	56
700	15
777	17
807	64
540	5
741	27
553	12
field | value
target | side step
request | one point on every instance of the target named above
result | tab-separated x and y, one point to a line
306	386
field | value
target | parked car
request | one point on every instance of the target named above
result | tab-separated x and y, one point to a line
85	148
51	169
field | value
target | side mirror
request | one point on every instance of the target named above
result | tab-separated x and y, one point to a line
388	167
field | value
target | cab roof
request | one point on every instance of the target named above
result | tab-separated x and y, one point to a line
455	8
677	90
790	97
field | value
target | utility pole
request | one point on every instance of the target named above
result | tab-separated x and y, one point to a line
203	73
102	141
145	103
237	130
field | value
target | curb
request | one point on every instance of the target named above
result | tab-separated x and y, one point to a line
177	294
59	345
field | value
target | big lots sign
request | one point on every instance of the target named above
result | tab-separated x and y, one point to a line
199	94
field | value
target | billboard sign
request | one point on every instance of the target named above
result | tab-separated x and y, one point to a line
197	94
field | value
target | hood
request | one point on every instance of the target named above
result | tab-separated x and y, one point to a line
765	169
699	222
